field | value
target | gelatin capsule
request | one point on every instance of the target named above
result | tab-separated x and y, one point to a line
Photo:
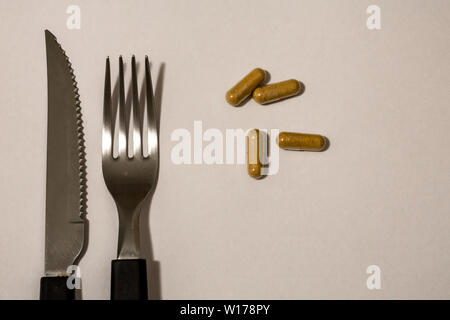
244	88
301	141
253	160
277	91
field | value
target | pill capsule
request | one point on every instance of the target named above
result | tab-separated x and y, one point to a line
301	141
253	161
277	91
245	87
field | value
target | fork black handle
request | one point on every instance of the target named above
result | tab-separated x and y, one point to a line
129	279
55	288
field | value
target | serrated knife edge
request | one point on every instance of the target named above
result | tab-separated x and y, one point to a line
64	244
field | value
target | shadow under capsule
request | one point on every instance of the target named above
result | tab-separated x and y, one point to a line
327	144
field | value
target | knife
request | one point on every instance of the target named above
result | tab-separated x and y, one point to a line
66	192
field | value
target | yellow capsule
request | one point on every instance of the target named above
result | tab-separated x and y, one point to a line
236	95
253	161
277	91
301	141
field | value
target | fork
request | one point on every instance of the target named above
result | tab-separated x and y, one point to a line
130	176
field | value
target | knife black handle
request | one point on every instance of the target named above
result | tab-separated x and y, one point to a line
129	279
55	288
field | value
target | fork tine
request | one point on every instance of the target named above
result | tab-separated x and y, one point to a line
137	122
151	118
123	128
108	128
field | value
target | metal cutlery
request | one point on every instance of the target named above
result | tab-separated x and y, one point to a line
130	176
66	192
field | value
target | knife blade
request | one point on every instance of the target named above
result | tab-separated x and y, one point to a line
66	188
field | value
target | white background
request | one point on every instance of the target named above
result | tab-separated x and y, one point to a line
379	195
